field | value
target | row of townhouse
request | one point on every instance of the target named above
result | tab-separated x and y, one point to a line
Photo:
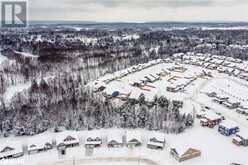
222	64
70	139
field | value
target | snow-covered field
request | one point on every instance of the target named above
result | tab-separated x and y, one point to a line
216	149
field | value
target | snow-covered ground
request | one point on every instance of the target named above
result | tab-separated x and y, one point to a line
12	90
216	149
2	58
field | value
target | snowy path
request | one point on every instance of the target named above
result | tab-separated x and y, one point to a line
107	161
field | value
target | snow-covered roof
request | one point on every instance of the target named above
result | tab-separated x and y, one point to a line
238	139
16	148
93	135
61	137
39	141
204	120
115	136
159	136
210	115
98	84
183	149
229	124
242	134
131	135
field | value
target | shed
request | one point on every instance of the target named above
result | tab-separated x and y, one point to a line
182	155
115	139
228	127
133	138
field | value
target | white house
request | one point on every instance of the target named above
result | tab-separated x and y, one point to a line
93	140
11	149
241	139
67	139
39	143
115	139
133	138
156	141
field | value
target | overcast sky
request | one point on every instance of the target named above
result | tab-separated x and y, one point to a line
139	10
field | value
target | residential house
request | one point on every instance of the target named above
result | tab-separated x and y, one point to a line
182	154
210	119
93	140
133	138
228	128
67	139
231	105
156	141
115	139
39	144
220	100
13	149
174	88
241	139
243	111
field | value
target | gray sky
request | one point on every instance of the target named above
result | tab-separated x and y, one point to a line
139	10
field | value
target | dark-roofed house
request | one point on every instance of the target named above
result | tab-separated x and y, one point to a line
67	139
115	139
133	138
92	141
11	150
156	141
